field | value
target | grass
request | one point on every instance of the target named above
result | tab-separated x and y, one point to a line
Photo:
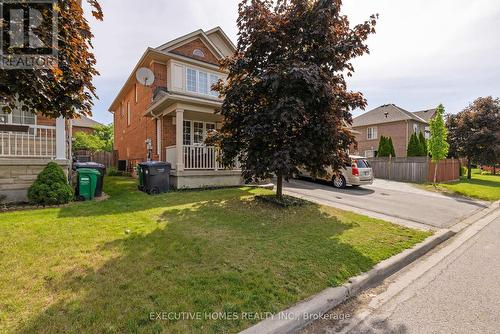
105	267
484	187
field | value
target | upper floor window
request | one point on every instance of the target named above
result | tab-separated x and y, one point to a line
371	133
415	128
201	82
18	116
198	53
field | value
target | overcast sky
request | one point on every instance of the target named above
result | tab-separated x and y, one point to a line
425	52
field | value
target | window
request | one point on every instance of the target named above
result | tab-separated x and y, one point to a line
371	133
427	132
128	113
199	53
201	82
191	81
213	80
415	128
186	137
209	128
23	117
195	133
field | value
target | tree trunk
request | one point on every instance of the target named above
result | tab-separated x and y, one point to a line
436	164
495	169
469	169
279	185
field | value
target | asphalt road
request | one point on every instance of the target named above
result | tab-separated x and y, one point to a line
459	295
393	199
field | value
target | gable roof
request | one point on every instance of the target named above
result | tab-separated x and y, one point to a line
85	122
215	39
384	114
426	115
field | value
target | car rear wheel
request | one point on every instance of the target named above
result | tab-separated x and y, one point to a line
339	182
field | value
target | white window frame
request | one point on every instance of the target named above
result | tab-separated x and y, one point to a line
211	78
191	131
31	126
371	135
415	128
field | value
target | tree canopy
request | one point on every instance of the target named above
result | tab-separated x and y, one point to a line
100	140
386	147
67	89
438	145
474	133
286	103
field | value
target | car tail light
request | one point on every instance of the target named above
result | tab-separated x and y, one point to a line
355	170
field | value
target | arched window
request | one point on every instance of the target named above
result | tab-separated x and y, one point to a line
198	53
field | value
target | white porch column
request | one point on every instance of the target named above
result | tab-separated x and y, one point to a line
61	138
179	128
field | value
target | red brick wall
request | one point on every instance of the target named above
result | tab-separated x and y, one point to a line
187	50
168	134
395	130
130	139
45	121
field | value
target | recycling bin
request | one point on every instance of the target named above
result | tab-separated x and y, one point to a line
86	183
100	168
154	177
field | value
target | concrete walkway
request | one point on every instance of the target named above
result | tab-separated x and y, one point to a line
388	199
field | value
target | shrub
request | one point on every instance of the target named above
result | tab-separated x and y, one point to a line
424	151
51	187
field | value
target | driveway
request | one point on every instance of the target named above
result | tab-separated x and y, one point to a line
392	199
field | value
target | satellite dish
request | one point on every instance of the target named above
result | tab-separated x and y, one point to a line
145	76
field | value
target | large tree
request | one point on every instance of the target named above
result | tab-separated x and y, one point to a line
438	145
66	89
286	103
474	133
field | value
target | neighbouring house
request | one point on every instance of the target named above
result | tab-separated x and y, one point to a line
177	111
28	142
84	124
391	121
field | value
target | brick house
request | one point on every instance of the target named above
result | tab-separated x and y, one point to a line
84	124
391	121
177	111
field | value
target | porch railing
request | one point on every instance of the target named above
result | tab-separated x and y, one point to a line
40	142
197	157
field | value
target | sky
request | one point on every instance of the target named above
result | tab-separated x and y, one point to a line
425	52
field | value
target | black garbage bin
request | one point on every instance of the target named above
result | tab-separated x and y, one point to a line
155	177
100	168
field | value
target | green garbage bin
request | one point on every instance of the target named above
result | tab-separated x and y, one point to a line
87	183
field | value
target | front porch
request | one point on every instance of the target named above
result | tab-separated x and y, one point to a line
181	133
25	149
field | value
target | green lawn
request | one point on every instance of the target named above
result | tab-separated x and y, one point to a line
104	267
485	187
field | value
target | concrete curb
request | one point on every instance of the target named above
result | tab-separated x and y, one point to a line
475	217
298	316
